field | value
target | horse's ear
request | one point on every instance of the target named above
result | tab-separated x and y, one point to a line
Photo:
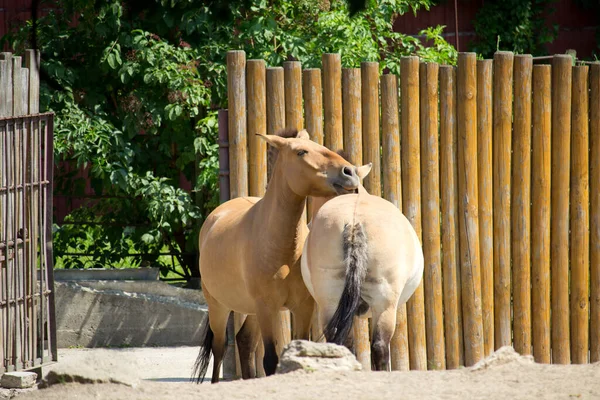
303	134
363	171
273	140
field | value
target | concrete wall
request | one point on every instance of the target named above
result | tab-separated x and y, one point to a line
127	313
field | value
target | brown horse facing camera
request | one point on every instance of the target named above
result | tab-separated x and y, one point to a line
250	252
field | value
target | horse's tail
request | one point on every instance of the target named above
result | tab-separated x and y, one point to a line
201	364
355	259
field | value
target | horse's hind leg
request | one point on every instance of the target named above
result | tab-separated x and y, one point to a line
384	324
247	340
217	317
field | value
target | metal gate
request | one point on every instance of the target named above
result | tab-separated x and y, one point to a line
27	317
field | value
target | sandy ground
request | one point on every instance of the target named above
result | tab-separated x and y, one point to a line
163	373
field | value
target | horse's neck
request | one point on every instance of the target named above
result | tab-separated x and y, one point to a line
281	210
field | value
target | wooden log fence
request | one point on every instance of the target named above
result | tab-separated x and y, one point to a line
496	165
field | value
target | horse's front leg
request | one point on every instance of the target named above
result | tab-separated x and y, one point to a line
303	315
270	329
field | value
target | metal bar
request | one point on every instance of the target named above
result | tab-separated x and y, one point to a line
48	221
121	255
21	187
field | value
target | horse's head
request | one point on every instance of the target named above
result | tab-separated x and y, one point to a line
311	169
362	172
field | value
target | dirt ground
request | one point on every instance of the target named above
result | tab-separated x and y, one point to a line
505	376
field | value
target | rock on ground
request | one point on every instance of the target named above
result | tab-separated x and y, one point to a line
504	355
18	380
311	356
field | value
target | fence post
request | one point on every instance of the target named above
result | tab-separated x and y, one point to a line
540	213
430	185
503	75
595	213
275	105
230	359
257	123
276	120
313	103
332	100
352	117
467	207
521	205
292	71
313	120
6	101
449	205
411	198
236	94
559	222
392	191
370	125
485	182
579	224
257	149
238	160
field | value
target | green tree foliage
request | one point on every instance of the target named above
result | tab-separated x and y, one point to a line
514	25
135	86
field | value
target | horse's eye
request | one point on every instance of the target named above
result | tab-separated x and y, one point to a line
302	152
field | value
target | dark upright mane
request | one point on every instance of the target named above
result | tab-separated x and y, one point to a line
272	152
344	154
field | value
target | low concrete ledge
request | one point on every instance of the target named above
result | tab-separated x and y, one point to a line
130	274
127	313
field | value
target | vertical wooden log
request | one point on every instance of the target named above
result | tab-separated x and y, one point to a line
540	213
6	85
430	185
411	198
236	94
559	228
595	213
256	89
275	105
370	125
449	206
257	123
238	158
313	103
579	223
503	76
521	205
19	95
32	62
293	94
276	121
351	99
392	191
467	207
332	100
486	215
313	120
